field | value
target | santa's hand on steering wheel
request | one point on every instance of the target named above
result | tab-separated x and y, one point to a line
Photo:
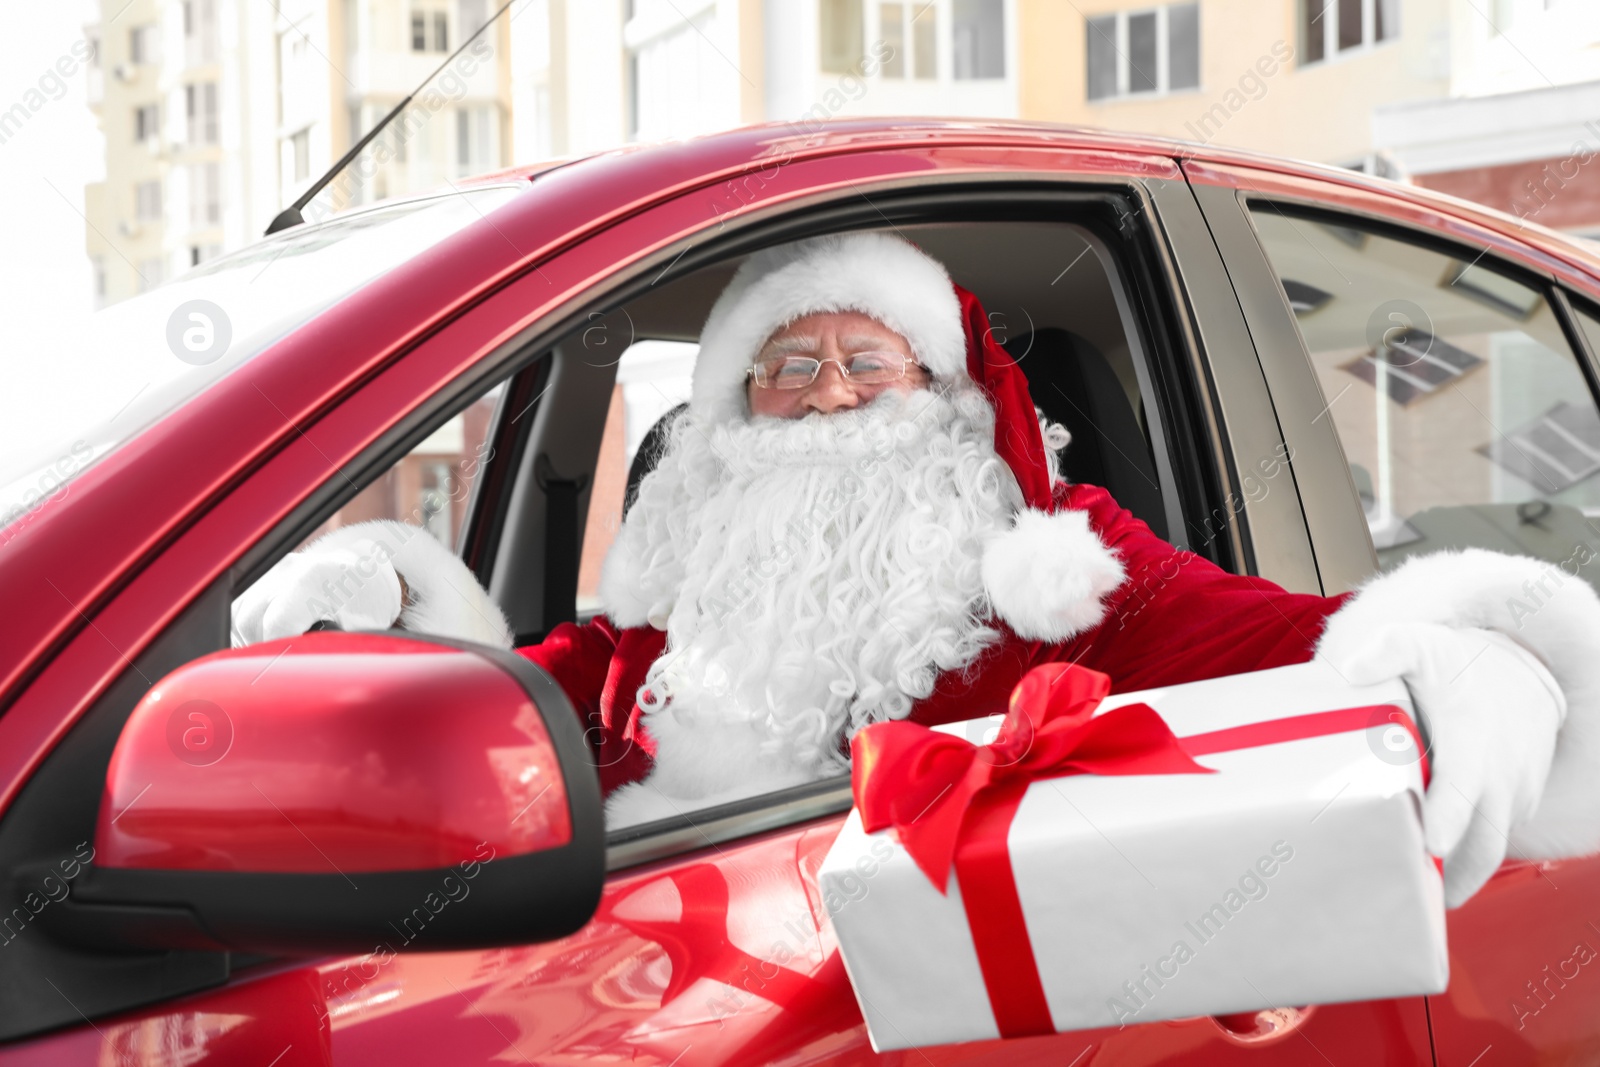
370	576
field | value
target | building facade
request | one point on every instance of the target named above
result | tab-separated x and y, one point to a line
1292	77
1520	127
1497	101
217	114
589	76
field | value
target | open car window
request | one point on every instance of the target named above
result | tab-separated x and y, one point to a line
1058	300
1061	297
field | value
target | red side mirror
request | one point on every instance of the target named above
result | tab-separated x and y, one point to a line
337	791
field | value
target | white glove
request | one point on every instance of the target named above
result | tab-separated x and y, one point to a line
354	586
1492	710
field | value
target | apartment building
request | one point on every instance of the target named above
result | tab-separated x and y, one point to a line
1293	77
219	113
1497	101
1520	127
169	85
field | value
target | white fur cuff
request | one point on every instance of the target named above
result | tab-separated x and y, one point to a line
445	597
1048	575
622	584
1549	611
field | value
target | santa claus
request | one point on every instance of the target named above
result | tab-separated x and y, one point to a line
859	518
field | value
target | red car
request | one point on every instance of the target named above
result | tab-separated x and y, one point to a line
404	859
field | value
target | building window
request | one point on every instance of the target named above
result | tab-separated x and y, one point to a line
146	122
978	39
924	43
471	15
677	82
300	153
1134	53
892	31
147	201
1328	27
205	195
911	30
841	35
430	30
144	44
200	104
200	31
476	143
98	264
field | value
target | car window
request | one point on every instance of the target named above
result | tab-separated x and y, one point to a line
652	379
431	485
1463	412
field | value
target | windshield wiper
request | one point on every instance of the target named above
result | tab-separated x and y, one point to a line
290	216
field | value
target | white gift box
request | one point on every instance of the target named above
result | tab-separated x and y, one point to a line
1294	875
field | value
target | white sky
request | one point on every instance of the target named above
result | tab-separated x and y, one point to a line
45	283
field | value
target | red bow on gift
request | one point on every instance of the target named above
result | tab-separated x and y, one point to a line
925	783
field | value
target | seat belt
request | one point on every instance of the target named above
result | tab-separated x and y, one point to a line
561	542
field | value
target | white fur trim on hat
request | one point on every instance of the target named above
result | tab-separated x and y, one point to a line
1048	575
875	274
1550	611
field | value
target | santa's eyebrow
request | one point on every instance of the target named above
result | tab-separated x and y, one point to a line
782	346
864	343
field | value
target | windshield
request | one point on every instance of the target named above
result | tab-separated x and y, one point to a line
129	365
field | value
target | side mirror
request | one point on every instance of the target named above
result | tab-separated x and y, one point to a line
335	792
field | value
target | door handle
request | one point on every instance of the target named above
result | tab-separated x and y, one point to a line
1265	1027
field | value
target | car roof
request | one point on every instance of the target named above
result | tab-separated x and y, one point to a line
760	143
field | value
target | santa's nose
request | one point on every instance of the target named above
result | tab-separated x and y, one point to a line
831	391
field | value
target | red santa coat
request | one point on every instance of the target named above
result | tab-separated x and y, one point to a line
1177	618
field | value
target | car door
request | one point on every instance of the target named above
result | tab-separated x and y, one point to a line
1457	374
711	943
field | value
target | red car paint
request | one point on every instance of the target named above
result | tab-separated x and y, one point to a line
721	956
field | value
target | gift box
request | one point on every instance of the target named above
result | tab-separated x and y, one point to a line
1224	846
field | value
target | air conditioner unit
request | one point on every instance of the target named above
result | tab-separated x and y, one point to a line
125	72
129	228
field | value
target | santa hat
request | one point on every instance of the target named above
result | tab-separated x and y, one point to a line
1047	575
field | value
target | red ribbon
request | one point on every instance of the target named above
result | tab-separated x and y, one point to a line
951	802
924	783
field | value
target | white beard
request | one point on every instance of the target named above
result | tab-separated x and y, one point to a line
814	576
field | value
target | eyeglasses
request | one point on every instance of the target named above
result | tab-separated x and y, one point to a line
797	372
